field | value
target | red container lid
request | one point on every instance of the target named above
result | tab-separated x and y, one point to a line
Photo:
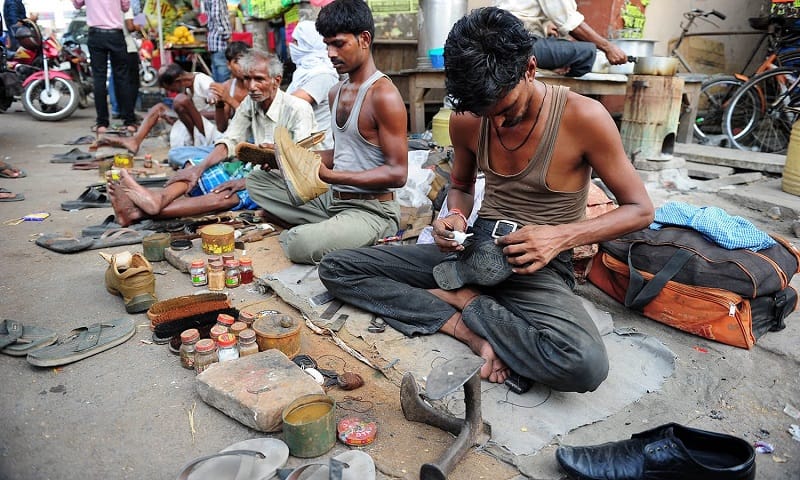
190	335
355	431
226	340
198	263
205	345
225	319
245	261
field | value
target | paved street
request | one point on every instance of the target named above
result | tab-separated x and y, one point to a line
125	413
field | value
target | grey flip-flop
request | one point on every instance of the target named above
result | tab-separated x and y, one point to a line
32	338
64	243
84	342
480	263
349	465
257	458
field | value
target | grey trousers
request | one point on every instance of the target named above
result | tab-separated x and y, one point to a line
535	323
324	224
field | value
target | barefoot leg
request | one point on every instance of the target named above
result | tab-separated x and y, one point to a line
494	370
126	212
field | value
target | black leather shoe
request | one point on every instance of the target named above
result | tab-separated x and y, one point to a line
670	451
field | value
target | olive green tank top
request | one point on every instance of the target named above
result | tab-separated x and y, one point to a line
524	197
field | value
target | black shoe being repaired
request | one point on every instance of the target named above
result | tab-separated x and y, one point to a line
670	451
480	263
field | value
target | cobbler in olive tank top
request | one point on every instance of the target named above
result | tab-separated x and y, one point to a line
524	197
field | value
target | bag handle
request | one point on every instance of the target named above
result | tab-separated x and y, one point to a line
640	293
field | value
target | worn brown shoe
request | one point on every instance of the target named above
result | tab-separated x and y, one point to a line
265	155
299	168
133	280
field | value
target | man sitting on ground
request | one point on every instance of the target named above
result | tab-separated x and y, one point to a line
215	184
369	157
193	105
229	95
508	292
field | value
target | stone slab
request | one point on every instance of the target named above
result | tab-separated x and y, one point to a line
706	171
729	157
735	179
255	389
182	259
765	197
661	164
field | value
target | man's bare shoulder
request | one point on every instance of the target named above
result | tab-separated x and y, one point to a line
585	114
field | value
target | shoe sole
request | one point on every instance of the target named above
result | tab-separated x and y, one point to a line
485	265
140	303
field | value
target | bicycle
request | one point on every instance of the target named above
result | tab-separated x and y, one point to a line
760	115
717	91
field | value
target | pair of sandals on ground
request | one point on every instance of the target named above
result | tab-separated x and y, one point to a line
7	171
264	458
43	348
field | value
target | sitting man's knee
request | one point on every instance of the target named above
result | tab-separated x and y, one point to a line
591	369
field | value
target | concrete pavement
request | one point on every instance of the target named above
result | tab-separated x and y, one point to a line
125	413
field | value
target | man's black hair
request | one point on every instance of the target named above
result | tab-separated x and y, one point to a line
235	50
345	16
169	74
485	56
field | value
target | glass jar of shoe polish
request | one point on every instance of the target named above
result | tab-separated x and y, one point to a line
189	340
198	273
226	321
216	277
246	270
216	332
227	347
237	328
232	278
247	342
247	318
205	355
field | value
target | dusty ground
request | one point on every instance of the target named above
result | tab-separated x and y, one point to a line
125	413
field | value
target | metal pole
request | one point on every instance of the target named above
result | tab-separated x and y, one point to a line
162	55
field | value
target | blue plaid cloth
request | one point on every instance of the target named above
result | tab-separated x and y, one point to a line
219	25
715	224
216	176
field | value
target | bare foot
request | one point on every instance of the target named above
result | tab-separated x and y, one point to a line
128	143
147	200
494	370
126	212
458	298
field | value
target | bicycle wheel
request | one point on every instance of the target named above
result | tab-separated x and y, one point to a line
760	115
715	94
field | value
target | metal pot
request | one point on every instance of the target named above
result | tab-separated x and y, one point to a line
663	66
634	48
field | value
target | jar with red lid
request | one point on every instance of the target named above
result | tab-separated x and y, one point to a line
216	332
232	277
247	342
189	339
205	354
197	271
246	270
227	347
225	320
237	328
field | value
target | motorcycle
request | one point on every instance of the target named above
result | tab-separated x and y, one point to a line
55	80
148	76
10	84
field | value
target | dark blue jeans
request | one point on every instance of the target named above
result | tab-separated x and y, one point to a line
553	53
105	45
535	323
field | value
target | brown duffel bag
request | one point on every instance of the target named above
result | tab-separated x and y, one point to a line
677	277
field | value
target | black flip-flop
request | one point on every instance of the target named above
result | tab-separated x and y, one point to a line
90	198
84	140
74	155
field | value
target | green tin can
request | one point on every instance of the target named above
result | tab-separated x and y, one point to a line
309	426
